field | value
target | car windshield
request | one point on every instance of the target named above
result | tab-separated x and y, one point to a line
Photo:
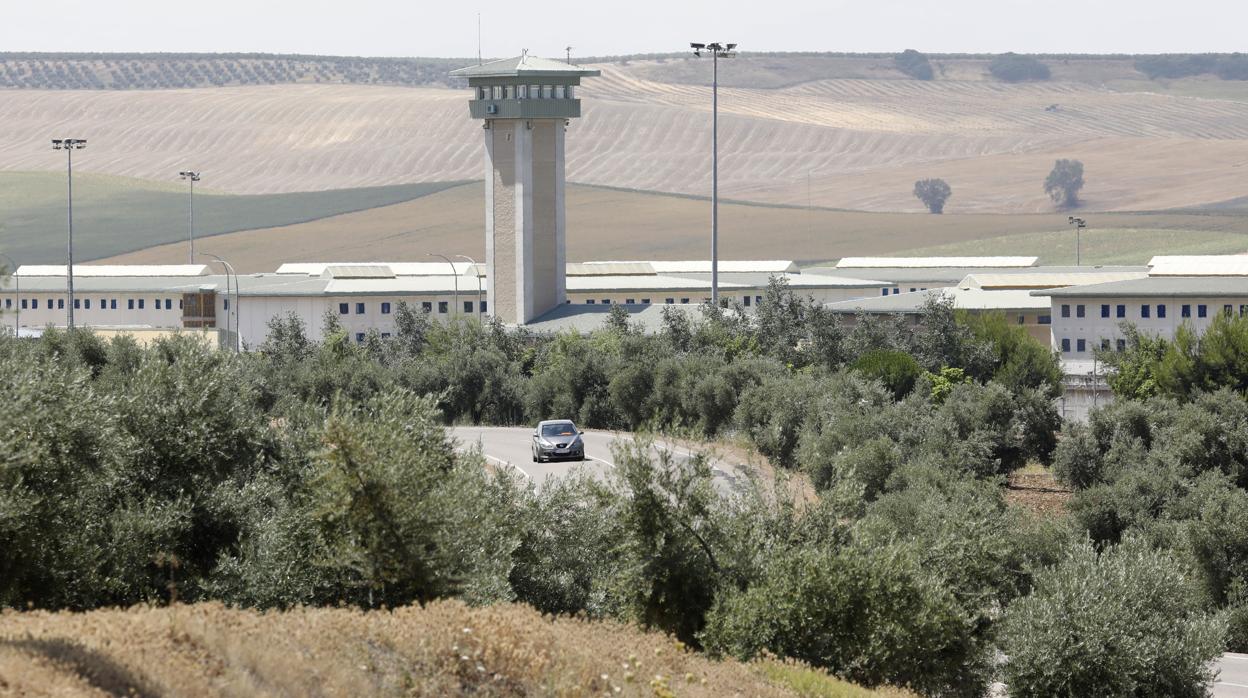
559	429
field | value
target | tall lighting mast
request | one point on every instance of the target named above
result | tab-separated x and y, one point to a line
716	51
192	177
69	145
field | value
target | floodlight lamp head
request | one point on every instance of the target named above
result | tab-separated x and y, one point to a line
697	47
731	46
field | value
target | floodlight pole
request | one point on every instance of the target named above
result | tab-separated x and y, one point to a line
192	177
717	51
477	274
1079	224
17	282
454	277
69	145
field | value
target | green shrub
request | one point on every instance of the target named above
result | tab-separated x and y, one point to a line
897	370
1125	622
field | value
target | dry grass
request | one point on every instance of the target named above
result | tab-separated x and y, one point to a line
615	224
1034	487
856	142
444	649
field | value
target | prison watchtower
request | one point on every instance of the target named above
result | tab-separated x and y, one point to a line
525	105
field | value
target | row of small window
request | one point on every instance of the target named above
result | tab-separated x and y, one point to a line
1081	345
524	92
745	301
1146	310
884	291
427	306
85	303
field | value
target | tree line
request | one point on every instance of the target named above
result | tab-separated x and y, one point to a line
321	473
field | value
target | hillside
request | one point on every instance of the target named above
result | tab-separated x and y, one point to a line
617	224
444	649
115	214
834	132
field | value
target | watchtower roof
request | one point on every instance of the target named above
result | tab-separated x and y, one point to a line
525	65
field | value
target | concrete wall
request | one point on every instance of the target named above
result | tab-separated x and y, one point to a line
91	310
1093	328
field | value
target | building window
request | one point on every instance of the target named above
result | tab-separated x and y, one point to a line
1046	319
1104	345
630	301
359	337
426	306
510	92
1226	309
535	91
669	301
896	291
1081	346
482	92
1144	311
1021	319
1121	311
344	308
78	303
912	289
589	301
1202	311
1161	310
385	308
23	304
645	301
1065	310
359	308
129	304
468	307
883	292
1105	310
684	301
482	306
1185	310
1079	311
1065	345
227	300
60	304
168	304
442	307
8	303
522	92
571	91
548	91
496	91
225	305
747	301
1122	345
385	335
1243	310
758	300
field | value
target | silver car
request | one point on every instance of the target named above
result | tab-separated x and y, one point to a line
557	439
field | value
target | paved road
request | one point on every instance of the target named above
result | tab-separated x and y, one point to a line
510	447
1233	680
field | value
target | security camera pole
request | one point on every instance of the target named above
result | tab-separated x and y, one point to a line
192	177
717	52
69	145
1079	224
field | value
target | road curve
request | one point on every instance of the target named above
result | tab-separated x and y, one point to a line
1233	676
511	447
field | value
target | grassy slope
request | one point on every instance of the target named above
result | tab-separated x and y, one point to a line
1099	246
116	214
616	224
444	649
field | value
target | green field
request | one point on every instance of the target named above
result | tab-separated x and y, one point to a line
113	215
1099	246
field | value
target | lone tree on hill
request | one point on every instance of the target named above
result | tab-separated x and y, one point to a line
933	193
914	64
1064	182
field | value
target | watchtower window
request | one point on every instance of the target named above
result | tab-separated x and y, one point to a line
548	91
498	91
511	92
570	93
483	92
560	92
535	91
522	92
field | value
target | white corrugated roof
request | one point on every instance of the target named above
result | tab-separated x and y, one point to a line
963	299
403	284
609	269
918	262
1046	279
638	283
358	271
1199	265
703	266
399	268
94	270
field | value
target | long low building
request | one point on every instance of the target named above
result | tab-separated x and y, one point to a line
365	296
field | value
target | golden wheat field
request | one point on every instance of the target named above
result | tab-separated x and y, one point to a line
442	649
842	142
